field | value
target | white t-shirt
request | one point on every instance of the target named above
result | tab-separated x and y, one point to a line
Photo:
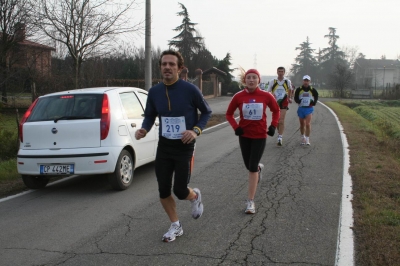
280	90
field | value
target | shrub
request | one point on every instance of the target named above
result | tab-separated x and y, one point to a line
9	144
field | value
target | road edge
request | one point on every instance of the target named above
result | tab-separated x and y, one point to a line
345	241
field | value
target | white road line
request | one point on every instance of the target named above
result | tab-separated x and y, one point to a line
345	241
31	190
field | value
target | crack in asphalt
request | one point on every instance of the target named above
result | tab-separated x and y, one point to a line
71	255
272	197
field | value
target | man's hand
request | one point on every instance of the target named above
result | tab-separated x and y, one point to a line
188	136
140	133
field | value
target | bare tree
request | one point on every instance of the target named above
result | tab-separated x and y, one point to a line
13	15
350	54
341	78
86	27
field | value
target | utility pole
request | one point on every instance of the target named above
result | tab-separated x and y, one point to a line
383	84
147	67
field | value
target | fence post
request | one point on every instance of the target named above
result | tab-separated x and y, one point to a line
213	77
199	76
184	74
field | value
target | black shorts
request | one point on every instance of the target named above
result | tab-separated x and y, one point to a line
252	151
174	160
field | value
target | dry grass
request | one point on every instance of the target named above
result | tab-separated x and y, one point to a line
215	120
375	168
11	187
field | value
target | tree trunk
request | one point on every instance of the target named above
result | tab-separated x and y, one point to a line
33	90
3	86
76	73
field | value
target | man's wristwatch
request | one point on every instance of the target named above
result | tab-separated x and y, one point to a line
197	131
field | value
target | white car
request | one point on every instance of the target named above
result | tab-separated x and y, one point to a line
85	132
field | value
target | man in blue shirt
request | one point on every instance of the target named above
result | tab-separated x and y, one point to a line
176	103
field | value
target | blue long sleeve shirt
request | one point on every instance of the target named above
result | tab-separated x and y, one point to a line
179	99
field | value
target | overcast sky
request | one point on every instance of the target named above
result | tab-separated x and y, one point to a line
264	34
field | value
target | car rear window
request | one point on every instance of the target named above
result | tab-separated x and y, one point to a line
75	106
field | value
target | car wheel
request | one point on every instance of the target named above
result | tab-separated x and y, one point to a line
122	177
35	182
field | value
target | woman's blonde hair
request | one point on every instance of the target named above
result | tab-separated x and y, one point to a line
242	75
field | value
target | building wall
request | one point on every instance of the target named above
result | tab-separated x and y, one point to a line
32	58
385	77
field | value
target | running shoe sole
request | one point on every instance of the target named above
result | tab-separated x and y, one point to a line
170	239
197	206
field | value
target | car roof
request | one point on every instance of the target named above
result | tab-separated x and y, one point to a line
97	90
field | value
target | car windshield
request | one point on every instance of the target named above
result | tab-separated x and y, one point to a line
67	107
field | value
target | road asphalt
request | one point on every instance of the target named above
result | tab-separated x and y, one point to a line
82	221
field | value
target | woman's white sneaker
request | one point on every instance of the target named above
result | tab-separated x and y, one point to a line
251	208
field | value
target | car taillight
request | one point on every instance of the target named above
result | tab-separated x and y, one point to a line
23	120
105	118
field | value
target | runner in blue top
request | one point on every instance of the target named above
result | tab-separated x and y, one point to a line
307	97
176	103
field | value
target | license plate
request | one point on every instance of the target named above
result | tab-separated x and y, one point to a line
57	169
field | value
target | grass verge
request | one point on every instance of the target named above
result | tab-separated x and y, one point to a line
374	169
10	181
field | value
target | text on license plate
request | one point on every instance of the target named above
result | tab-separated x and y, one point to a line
57	169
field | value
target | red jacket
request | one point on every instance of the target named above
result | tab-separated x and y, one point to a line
255	129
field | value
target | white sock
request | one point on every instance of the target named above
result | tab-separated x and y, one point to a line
177	223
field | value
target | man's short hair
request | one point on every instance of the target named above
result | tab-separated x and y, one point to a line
281	68
175	53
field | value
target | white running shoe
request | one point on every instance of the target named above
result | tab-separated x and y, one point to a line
279	142
303	140
260	168
173	232
308	141
197	205
251	208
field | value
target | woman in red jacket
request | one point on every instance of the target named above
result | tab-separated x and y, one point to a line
252	103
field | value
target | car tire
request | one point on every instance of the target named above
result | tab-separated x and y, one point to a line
122	177
35	182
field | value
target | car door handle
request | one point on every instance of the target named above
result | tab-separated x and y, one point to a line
133	124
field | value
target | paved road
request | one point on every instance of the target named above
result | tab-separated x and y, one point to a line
81	221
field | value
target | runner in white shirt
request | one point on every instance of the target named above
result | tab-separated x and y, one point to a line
282	90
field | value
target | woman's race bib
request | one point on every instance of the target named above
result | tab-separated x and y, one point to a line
252	111
172	127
